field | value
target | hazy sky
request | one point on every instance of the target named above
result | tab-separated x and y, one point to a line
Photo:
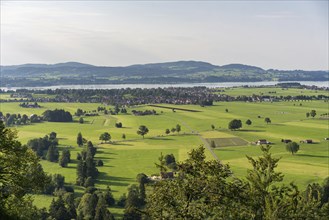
275	34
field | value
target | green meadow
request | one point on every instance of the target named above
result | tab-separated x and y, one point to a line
271	91
124	159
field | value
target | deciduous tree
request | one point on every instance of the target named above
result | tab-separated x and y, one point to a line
105	137
235	124
313	113
267	120
142	130
292	147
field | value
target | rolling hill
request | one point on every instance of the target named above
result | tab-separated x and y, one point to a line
169	72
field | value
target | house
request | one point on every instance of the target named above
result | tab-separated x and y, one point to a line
154	178
262	141
307	141
286	141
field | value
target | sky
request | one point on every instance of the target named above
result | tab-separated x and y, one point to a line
269	34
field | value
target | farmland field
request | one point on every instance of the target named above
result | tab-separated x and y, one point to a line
124	159
270	91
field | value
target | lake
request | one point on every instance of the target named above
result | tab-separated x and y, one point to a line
149	86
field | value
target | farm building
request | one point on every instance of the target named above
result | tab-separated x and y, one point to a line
309	141
285	140
262	141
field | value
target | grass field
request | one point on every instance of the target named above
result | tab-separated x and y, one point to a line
271	91
124	159
225	142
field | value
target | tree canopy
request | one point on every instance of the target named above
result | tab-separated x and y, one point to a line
292	147
142	130
105	137
235	124
313	113
206	189
267	120
20	173
57	115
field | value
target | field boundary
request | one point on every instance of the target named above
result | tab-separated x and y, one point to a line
182	109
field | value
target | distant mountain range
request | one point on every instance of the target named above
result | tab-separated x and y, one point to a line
170	72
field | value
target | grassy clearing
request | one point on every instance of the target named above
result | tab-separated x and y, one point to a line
124	159
225	142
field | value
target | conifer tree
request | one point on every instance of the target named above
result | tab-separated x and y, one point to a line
102	213
65	158
87	206
108	196
81	173
57	210
52	154
79	139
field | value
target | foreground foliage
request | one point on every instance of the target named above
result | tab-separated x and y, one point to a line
208	190
20	173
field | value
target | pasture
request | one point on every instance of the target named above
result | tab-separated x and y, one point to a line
124	159
270	91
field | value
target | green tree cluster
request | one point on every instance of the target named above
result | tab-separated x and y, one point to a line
55	182
45	147
312	113
86	168
94	206
79	112
206	189
57	115
105	137
20	173
63	208
17	119
134	202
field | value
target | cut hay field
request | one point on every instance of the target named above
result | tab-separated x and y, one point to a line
124	159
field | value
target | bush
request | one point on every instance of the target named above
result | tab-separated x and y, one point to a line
118	125
100	163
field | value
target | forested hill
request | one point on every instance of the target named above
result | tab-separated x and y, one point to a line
170	72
